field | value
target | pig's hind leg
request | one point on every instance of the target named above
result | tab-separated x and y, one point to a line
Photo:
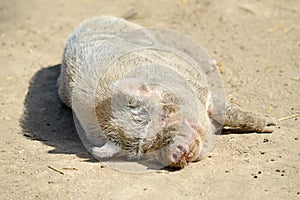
248	121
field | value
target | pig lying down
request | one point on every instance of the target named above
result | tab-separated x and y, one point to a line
145	94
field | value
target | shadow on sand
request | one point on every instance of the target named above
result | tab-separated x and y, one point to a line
46	119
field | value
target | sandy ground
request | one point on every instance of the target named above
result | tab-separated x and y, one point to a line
258	44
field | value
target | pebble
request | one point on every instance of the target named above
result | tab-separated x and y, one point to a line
265	140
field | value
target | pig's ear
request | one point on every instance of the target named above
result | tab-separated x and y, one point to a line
106	151
127	85
132	86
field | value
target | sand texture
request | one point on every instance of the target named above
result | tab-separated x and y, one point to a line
257	45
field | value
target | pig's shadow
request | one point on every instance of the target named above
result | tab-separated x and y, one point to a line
46	119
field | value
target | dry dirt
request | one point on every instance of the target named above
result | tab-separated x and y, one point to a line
258	45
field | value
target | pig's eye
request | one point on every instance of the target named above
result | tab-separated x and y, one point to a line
134	103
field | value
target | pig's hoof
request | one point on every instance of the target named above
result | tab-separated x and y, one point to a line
270	126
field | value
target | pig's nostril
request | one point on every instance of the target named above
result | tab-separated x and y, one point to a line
174	157
180	148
